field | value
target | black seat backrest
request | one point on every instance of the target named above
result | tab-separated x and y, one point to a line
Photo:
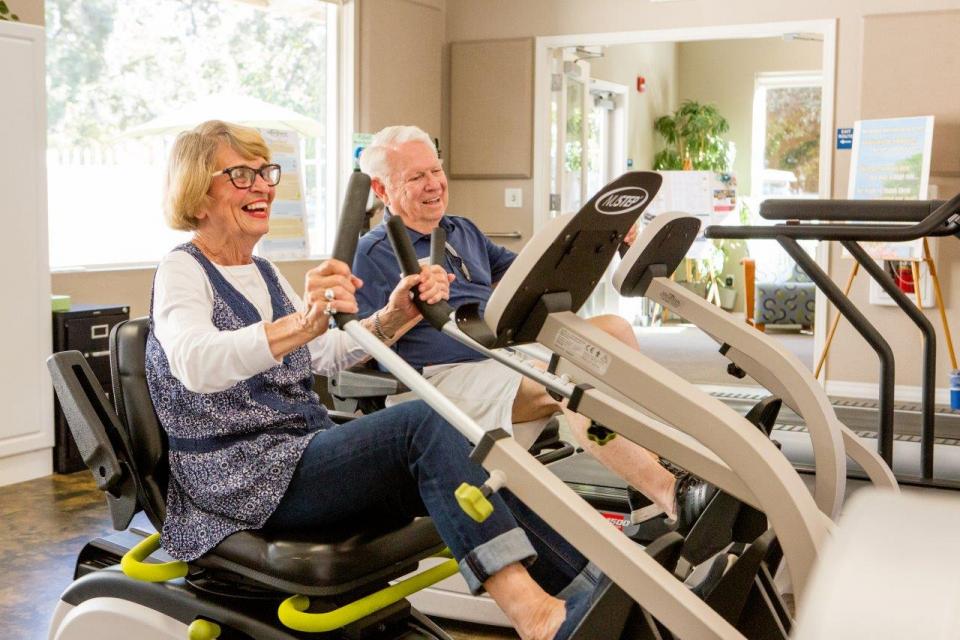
131	397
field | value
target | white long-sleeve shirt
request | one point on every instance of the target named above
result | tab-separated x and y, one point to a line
205	359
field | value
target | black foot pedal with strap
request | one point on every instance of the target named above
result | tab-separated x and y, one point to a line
647	521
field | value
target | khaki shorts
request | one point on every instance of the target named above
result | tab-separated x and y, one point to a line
485	391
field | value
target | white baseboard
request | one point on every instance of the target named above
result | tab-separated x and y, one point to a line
901	393
26	466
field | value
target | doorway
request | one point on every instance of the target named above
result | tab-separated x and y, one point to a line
587	143
568	158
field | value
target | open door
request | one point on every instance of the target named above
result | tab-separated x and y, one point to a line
588	145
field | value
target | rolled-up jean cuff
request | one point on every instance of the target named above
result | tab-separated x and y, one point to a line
493	555
585	582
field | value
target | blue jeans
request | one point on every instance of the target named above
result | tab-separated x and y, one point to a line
407	461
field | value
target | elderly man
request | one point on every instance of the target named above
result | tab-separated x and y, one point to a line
407	175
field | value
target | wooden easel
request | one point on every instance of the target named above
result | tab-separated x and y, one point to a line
915	270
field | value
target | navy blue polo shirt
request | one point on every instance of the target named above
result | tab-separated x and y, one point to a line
376	265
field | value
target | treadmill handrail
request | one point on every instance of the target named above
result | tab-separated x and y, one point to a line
933	224
848	210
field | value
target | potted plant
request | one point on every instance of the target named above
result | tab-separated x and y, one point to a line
694	137
705	275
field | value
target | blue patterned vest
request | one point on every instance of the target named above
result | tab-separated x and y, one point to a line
232	452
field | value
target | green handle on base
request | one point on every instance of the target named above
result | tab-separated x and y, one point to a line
292	611
133	564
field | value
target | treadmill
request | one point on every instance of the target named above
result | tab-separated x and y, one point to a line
851	222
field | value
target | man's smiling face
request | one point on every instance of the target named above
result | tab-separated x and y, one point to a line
417	187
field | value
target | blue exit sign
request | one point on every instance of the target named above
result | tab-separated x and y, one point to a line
845	138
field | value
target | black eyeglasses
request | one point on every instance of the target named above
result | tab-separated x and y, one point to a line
243	177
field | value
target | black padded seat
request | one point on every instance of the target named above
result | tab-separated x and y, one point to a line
327	563
321	563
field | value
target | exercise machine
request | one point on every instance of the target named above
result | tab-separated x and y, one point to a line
550	279
645	271
930	219
213	593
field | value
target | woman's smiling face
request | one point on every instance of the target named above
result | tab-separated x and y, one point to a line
238	215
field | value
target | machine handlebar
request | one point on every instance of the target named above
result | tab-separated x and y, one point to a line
437	314
352	216
944	220
849	210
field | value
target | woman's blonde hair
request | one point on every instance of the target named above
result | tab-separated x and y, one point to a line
193	160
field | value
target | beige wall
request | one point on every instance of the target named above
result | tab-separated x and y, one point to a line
480	19
722	72
915	77
483	199
29	11
657	63
400	48
849	362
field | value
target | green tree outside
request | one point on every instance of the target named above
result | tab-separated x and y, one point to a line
793	134
114	64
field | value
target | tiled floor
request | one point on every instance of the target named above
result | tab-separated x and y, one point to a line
45	523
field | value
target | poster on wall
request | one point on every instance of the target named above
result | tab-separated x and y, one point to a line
287	238
891	161
712	197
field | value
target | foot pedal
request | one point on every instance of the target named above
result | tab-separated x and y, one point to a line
647	521
764	414
707	576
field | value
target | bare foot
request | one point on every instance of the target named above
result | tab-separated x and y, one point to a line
670	501
542	621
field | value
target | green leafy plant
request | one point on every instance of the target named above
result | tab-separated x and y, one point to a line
694	138
5	13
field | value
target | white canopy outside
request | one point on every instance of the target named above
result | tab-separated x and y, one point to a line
231	108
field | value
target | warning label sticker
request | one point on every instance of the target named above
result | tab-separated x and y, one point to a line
582	352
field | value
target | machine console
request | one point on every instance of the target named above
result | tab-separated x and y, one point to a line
658	250
562	264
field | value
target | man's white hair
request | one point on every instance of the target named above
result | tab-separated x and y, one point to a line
374	160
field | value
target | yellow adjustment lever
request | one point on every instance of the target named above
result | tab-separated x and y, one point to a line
599	434
201	629
473	502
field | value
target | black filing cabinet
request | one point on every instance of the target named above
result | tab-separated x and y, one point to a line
84	328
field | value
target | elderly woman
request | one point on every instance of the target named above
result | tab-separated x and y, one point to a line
230	363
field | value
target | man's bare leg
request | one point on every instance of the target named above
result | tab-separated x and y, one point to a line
635	465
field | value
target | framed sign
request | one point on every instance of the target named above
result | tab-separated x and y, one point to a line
891	161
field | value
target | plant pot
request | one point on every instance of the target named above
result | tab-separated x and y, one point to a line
728	298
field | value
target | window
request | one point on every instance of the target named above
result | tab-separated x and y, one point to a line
786	135
114	65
